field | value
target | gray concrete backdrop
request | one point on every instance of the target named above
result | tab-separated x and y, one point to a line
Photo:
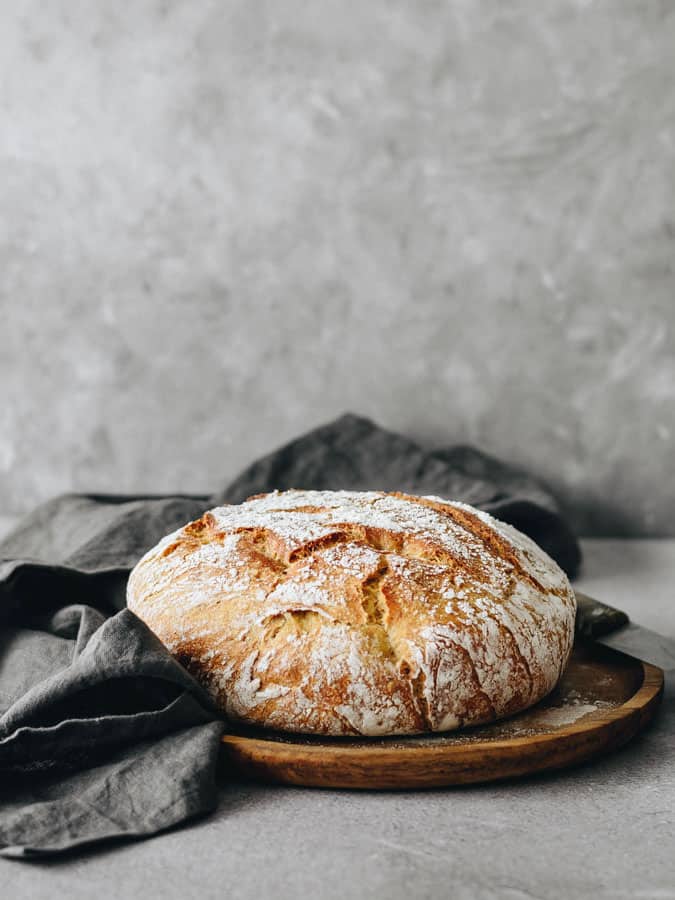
224	222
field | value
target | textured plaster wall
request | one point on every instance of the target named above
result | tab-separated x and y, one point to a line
224	222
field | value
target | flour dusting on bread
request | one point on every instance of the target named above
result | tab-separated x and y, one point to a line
342	612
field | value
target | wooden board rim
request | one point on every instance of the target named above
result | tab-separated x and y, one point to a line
359	766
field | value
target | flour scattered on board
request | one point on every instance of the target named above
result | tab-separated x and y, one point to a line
557	716
571	708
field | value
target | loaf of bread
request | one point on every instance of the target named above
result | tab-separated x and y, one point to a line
348	613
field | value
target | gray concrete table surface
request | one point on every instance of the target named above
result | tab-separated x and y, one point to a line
603	830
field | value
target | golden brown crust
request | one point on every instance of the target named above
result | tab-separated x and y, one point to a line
358	613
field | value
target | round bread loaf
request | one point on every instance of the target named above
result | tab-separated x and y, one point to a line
350	613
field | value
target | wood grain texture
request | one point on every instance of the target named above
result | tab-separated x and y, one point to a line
615	696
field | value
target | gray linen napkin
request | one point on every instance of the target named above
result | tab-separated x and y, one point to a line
102	733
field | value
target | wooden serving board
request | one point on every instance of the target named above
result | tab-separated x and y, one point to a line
603	700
